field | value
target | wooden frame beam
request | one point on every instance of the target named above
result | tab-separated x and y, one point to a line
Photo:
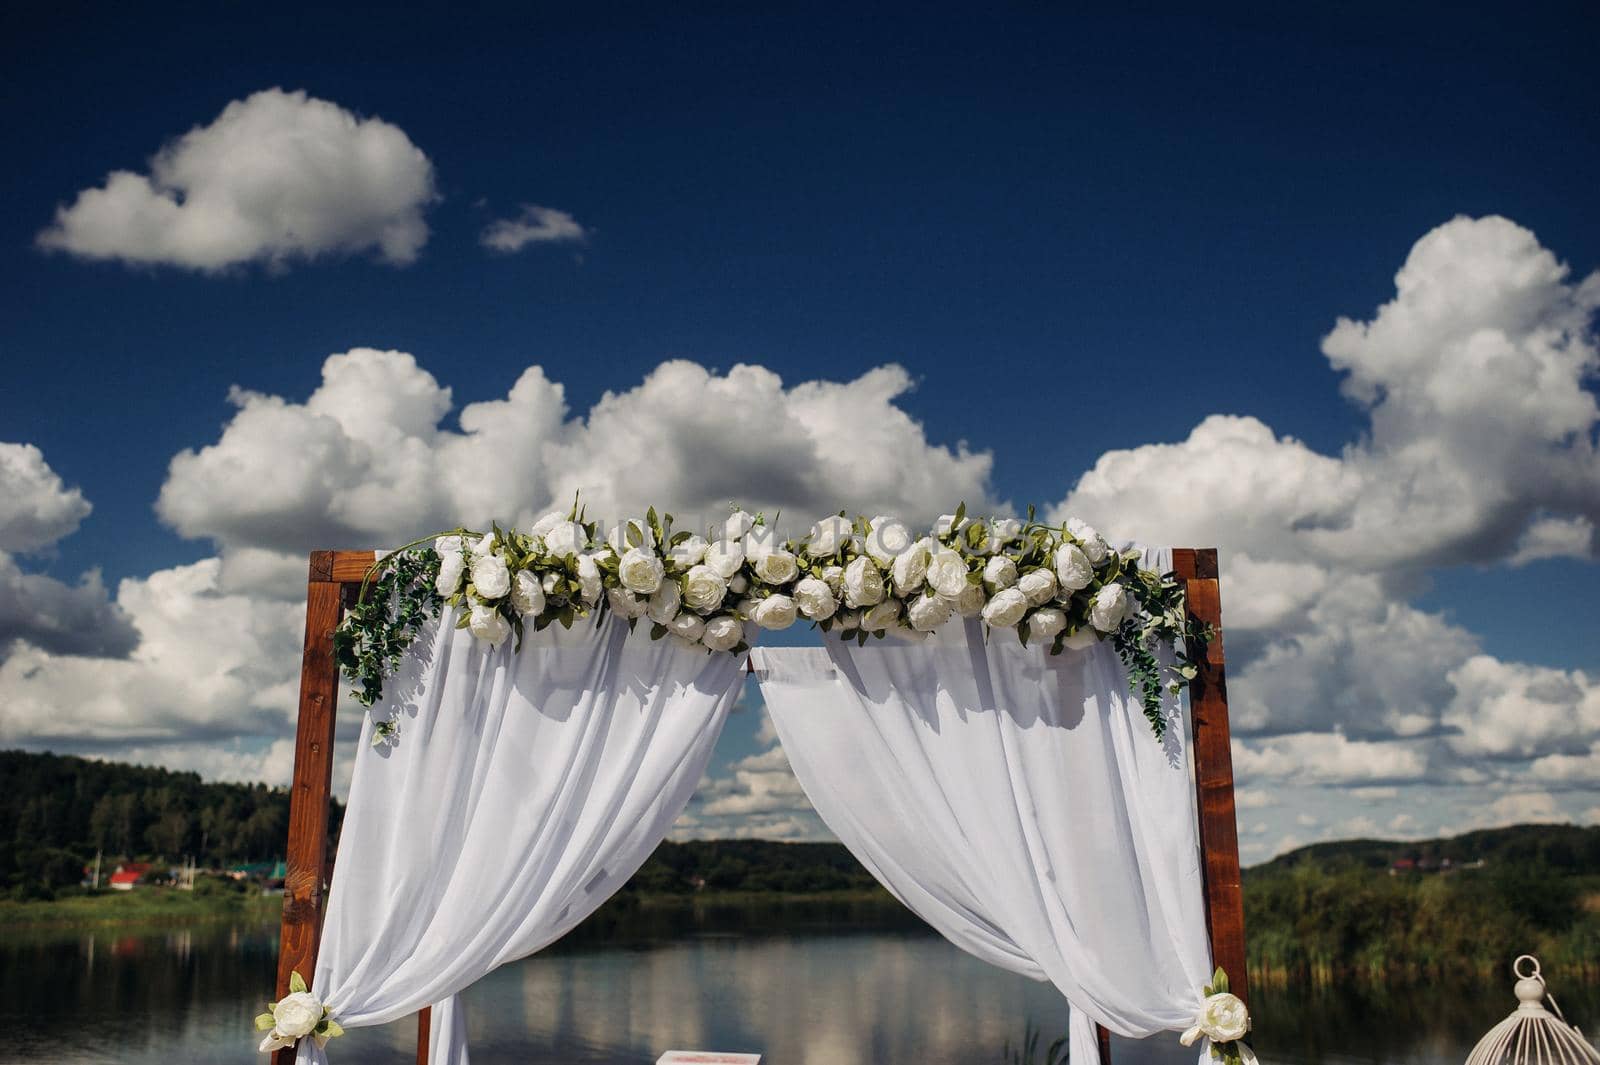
336	574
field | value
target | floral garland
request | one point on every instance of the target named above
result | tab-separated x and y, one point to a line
1062	586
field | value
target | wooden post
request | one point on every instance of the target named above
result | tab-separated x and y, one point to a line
1213	771
313	779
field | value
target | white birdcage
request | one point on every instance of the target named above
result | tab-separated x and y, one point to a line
1533	1035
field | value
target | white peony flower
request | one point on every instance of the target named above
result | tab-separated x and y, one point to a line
815	599
947	573
1005	610
1223	1018
738	584
590	584
834	576
484	545
722	633
888	538
688	551
910	566
621	537
527	597
846	620
452	564
487	624
687	626
640	571
775	612
445	544
725	557
1081	639
490	576
828	536
1003	532
664	603
947	524
738	523
1045	623
1038	585
565	539
928	612
1110	608
549	583
863	584
776	566
1093	546
703	590
548	522
880	617
1073	568
625	604
1000	572
970	603
296	1015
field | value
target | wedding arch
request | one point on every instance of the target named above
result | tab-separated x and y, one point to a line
338	579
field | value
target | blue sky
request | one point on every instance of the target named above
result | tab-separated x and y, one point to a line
1078	235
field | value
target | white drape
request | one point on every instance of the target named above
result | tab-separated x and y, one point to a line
525	788
1016	801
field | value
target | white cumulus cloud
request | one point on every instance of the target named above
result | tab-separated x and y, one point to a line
276	177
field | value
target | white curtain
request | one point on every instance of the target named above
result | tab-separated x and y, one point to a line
1016	801
524	789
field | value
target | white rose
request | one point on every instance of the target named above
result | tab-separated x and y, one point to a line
725	557
1045	623
880	617
565	539
738	523
527	597
548	522
452	564
1003	531
777	567
1005	610
760	542
484	545
738	584
1223	1019
863	584
688	551
947	573
947	524
490	577
834	577
1073	567
1038	585
621	537
445	544
928	612
589	581
1093	546
889	537
640	571
1110	608
1000	572
970	603
703	589
1081	639
296	1015
722	633
549	582
664	603
815	599
487	625
775	612
625	604
827	537
911	566
687	626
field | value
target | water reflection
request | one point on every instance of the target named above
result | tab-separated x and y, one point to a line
792	985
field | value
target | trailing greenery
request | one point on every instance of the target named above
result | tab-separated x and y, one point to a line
1060	586
56	811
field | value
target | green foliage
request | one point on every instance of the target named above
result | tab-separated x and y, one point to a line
383	621
57	810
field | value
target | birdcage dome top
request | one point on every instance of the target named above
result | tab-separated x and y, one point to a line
1533	1034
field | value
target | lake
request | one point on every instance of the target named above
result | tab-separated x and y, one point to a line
812	985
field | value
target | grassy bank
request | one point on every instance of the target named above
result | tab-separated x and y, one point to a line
146	906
